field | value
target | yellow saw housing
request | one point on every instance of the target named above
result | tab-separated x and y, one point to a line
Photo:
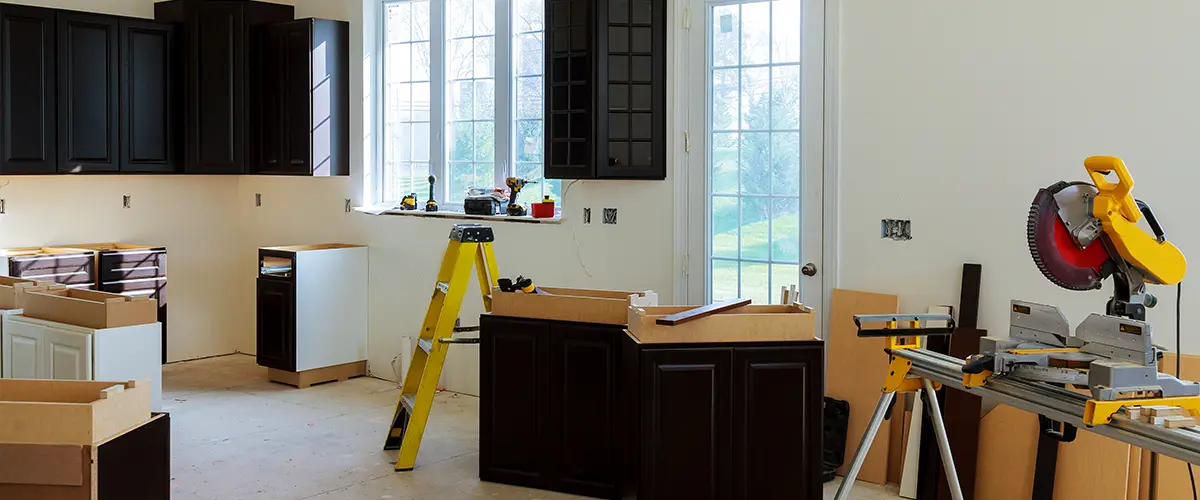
1118	213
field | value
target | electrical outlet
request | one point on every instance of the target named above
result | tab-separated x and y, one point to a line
126	200
258	199
587	216
896	229
610	216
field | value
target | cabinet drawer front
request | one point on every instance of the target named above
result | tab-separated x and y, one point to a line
51	263
138	287
133	264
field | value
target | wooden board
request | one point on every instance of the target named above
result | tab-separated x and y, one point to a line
85	491
89	309
1007	447
1092	466
47	464
896	443
701	312
779	323
58	414
307	378
856	371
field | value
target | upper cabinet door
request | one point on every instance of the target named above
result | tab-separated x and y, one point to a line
216	130
27	85
635	97
570	106
87	93
151	139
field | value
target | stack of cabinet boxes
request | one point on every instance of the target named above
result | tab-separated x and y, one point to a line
72	329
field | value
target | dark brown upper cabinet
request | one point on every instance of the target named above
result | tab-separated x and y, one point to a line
88	134
27	91
301	111
151	132
216	35
606	89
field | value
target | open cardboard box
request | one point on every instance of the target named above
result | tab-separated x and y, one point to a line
751	323
571	304
12	291
89	309
70	412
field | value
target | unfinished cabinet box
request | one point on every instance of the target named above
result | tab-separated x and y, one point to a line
82	441
40	349
312	312
72	267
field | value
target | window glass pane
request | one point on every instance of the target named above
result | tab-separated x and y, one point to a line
485	99
530	142
785	97
756	166
462	142
462	100
785	163
485	17
725	109
528	51
725	226
485	57
783	275
724	280
785	229
460	62
726	30
785	31
528	16
725	169
529	98
461	20
756	106
756	33
485	143
756	216
755	282
405	96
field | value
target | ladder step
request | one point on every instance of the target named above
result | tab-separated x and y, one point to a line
443	287
425	345
409	401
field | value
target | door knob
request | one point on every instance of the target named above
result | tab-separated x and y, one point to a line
809	269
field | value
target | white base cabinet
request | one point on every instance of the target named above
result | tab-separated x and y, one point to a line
39	349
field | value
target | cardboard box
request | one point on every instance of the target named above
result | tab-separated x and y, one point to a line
70	412
12	291
571	304
782	323
89	309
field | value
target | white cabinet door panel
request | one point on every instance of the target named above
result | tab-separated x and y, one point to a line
68	355
21	356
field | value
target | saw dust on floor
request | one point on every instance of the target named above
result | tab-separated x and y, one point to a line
235	435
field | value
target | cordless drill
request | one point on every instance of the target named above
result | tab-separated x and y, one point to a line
515	184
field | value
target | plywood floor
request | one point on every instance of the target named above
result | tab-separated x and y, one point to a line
237	436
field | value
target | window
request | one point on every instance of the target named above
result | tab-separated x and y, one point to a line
462	98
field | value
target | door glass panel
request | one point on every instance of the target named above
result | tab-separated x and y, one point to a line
754	149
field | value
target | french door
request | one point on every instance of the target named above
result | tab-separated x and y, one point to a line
754	79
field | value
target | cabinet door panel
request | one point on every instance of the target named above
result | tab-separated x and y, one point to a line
777	422
276	324
583	379
513	400
217	125
298	92
150	134
685	405
29	81
68	355
87	93
22	352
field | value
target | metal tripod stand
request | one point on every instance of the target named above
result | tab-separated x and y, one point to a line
900	380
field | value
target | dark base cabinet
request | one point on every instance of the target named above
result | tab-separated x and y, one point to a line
722	421
584	409
548	405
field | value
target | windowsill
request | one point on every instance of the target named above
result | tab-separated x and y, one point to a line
457	215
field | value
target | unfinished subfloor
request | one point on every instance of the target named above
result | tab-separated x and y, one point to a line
237	436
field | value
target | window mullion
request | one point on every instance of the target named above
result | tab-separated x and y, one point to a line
437	97
505	161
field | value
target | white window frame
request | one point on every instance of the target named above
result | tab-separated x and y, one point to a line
505	164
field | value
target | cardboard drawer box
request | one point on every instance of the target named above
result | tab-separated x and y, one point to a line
133	464
69	411
90	309
752	323
12	291
571	304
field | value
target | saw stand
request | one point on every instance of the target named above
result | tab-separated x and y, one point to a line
900	380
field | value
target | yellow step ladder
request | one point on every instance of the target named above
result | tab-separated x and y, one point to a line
470	246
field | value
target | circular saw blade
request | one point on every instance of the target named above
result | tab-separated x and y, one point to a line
1055	251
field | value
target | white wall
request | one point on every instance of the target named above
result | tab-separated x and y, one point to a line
194	217
954	113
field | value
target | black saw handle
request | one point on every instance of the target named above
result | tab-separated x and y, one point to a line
1152	220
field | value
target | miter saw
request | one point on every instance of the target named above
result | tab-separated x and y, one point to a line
1081	233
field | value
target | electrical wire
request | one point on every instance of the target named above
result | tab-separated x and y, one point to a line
1179	361
574	235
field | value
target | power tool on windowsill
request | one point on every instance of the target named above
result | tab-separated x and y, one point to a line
432	204
515	184
484	201
409	202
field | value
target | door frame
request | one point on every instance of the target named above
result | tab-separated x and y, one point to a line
687	33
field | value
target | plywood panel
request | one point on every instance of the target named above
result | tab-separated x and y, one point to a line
1007	448
896	442
1093	467
856	370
